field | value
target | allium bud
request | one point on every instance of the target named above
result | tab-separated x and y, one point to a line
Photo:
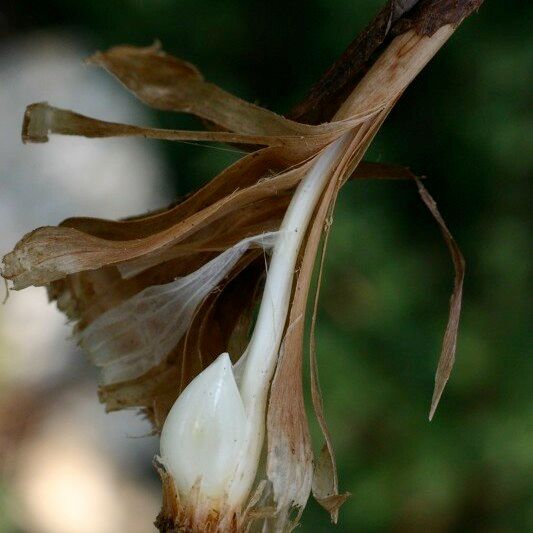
204	432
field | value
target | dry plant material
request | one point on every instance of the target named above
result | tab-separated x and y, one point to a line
449	343
156	299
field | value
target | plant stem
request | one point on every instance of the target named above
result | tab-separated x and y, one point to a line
262	352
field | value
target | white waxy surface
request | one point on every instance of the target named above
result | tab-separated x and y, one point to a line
204	431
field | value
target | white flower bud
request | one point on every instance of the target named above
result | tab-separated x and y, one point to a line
204	433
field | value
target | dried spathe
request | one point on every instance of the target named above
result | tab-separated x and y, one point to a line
157	299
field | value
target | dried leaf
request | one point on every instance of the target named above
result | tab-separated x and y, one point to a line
289	454
168	83
289	460
449	343
41	119
325	479
50	253
289	450
261	217
325	490
258	166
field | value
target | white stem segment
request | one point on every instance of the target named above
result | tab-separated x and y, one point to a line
194	444
262	352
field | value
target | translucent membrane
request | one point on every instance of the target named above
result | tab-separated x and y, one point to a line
132	338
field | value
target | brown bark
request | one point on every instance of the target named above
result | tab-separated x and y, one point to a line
425	17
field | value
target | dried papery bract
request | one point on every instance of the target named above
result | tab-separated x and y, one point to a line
157	299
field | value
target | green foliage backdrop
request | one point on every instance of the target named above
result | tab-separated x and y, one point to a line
464	125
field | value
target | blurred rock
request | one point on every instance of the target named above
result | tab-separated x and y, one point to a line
43	184
69	467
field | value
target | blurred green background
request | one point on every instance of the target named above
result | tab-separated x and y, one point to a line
464	124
